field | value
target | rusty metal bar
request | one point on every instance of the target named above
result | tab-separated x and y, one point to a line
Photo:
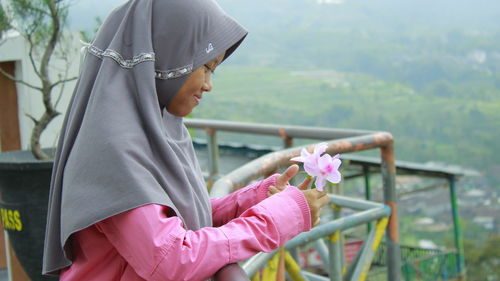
272	161
339	141
388	170
276	130
213	156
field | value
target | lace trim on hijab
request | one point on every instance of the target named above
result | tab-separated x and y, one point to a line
174	73
142	57
130	63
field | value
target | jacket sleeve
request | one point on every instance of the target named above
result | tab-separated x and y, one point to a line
233	205
160	248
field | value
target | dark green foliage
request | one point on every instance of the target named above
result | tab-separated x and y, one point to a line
4	21
482	260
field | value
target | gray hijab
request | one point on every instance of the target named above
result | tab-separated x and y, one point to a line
119	147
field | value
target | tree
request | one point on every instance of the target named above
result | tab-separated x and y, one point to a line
41	23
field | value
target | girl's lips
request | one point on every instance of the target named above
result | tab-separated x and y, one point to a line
197	99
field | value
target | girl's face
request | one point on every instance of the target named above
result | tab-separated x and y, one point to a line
191	93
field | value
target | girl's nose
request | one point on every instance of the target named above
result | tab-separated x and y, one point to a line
207	85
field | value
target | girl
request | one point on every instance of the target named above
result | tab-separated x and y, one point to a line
128	201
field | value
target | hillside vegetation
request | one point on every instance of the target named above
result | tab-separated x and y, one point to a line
434	85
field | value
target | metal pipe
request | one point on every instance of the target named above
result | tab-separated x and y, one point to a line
252	265
271	161
343	223
352	140
388	170
322	249
353	272
335	259
352	203
213	156
313	277
457	229
335	249
277	130
368	192
368	251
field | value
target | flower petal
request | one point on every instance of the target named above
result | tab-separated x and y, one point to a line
336	163
324	161
311	169
334	177
304	153
320	148
298	159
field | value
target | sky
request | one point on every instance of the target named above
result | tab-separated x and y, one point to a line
450	13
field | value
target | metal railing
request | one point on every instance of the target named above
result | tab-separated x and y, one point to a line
441	266
338	140
331	251
437	267
408	254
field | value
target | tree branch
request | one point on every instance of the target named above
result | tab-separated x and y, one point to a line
32	118
32	59
58	99
62	81
38	10
18	80
51	45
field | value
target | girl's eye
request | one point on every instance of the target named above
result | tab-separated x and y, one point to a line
208	68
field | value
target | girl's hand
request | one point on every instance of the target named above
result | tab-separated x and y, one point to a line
316	200
282	181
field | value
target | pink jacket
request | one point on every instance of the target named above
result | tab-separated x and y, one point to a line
145	244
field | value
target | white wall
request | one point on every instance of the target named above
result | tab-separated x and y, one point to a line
30	100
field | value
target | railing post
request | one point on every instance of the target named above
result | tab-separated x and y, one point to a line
287	140
388	169
457	228
335	250
368	191
213	156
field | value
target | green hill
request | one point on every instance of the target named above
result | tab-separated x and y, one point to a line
458	130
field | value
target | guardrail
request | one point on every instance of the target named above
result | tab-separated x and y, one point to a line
331	251
408	254
338	140
442	266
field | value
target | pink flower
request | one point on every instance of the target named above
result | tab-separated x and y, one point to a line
322	167
311	160
328	167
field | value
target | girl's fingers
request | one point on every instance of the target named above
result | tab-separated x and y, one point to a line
305	183
272	190
323	200
289	173
317	221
